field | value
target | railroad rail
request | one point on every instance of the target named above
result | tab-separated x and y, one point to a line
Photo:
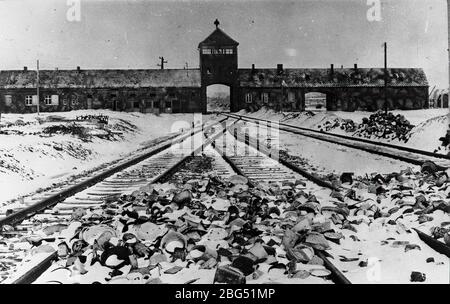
260	167
126	177
406	154
53	199
338	277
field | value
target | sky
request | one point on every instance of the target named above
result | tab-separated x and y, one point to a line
133	34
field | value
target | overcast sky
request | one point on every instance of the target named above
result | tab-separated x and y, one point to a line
316	33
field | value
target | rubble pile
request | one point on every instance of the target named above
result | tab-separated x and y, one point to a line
348	125
329	125
385	125
210	229
378	125
445	142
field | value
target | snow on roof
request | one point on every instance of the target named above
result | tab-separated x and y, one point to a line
361	77
218	38
100	78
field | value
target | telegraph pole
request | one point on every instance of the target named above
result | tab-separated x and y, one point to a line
162	63
37	86
385	78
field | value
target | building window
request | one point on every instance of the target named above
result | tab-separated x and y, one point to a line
29	100
265	97
168	104
248	98
48	100
8	100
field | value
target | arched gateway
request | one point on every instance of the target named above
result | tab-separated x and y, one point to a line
219	65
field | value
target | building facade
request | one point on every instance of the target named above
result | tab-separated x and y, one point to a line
185	90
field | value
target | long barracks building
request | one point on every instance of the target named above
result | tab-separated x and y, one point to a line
185	90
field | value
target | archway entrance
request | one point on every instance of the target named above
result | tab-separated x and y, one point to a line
218	98
315	101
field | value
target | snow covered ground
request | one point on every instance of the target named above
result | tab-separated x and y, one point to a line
31	159
430	124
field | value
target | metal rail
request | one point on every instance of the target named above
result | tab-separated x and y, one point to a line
336	275
291	166
433	243
26	212
297	129
31	275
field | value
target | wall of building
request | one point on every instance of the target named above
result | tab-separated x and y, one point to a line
343	98
170	99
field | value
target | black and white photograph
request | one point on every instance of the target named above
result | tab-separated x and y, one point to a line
223	142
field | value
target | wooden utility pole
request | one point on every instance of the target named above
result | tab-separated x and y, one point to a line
385	78
162	63
37	86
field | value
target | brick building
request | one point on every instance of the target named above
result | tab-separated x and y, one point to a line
185	90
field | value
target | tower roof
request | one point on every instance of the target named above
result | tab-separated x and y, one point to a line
218	38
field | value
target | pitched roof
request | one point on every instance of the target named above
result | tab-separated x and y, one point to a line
362	77
218	38
101	78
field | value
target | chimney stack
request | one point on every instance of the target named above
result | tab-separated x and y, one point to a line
78	69
279	68
356	66
332	69
253	68
342	66
25	68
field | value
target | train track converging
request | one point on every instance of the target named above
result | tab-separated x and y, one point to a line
406	154
229	155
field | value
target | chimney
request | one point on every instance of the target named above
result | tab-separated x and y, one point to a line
279	68
78	69
332	69
356	66
25	69
342	66
253	68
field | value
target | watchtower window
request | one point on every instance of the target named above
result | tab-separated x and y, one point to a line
219	51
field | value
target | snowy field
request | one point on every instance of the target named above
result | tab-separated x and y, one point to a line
429	124
32	158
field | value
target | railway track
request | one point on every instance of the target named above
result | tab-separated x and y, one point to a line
126	177
44	200
246	158
134	177
406	154
434	244
259	167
